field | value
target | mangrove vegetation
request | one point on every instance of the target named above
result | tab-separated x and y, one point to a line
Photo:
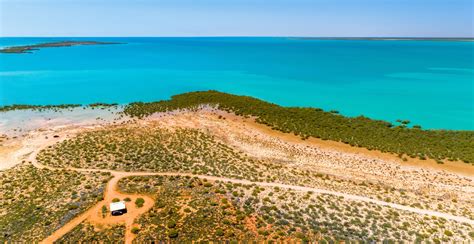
313	122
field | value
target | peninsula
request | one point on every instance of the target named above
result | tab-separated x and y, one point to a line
209	165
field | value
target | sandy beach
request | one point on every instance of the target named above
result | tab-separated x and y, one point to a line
24	131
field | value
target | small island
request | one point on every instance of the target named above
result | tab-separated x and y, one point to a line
30	48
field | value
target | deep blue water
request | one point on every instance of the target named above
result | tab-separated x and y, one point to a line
427	82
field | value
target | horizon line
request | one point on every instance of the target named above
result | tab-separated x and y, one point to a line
263	36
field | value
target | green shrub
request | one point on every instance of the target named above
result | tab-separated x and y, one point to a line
72	206
219	232
104	211
135	230
139	202
173	233
171	224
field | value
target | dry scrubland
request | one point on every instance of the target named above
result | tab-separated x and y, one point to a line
216	143
175	144
144	148
193	209
89	234
35	202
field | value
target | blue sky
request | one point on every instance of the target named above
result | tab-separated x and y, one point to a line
430	18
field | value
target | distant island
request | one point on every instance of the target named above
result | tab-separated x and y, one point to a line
458	39
30	48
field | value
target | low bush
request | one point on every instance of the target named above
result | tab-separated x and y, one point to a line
139	202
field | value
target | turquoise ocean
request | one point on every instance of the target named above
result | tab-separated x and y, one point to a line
430	83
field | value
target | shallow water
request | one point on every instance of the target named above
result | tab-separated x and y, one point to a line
20	122
430	83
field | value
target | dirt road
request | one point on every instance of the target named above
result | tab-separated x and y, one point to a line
93	214
128	219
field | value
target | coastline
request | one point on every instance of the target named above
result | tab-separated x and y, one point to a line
457	167
21	131
306	123
45	124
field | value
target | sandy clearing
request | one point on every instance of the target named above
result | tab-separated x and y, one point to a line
8	154
287	149
17	150
94	214
457	167
206	119
133	212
